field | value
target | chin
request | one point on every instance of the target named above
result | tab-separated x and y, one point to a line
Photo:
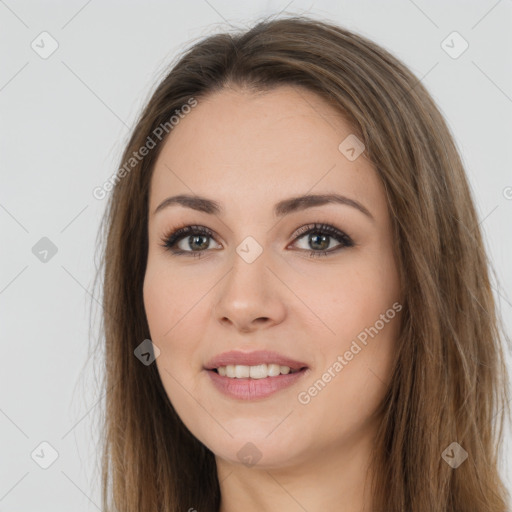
258	450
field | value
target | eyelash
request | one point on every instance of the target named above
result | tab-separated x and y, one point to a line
173	237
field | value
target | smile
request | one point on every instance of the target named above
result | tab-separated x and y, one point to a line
262	385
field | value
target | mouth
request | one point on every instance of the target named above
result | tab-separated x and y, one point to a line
259	364
255	372
253	375
252	383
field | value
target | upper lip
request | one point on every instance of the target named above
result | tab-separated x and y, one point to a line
254	358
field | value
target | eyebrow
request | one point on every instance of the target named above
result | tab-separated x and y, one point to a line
284	207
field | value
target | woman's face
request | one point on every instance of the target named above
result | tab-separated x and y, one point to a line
263	283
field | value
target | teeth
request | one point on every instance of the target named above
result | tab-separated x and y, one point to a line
260	371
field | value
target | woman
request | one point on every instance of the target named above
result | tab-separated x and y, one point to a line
298	313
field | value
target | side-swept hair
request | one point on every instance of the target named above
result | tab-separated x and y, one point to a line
449	381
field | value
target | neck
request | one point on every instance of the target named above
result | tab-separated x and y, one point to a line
338	478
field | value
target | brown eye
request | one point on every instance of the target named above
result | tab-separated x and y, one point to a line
195	240
319	238
190	240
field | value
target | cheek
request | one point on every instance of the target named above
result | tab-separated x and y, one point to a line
165	306
166	299
355	363
360	306
354	297
166	311
168	304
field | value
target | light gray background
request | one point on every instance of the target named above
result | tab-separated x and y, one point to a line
64	121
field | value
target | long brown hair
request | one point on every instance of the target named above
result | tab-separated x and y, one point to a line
449	382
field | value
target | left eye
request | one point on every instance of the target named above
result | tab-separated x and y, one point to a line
319	240
320	236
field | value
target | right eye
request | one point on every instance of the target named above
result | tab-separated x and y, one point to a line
188	236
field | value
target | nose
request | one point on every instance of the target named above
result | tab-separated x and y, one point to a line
251	297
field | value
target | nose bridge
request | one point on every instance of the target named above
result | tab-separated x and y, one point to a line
249	267
250	291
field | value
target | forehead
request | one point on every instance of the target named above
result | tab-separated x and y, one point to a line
246	148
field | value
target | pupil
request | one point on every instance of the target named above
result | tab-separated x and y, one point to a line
323	238
195	237
318	241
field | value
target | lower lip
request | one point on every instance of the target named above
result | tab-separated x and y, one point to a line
252	389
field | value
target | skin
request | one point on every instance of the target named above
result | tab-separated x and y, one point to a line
248	151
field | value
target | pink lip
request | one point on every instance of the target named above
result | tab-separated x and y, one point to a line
252	389
252	359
